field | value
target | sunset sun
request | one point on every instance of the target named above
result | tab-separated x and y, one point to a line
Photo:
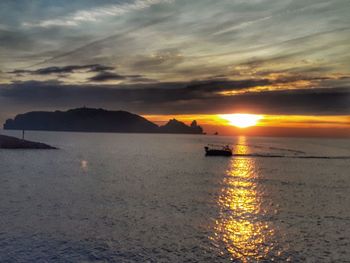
242	120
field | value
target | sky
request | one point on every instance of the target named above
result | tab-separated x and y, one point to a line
178	57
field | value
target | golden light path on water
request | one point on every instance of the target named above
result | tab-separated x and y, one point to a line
240	230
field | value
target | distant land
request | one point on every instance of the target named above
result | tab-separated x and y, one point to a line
95	120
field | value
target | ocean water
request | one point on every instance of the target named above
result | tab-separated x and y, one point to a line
157	198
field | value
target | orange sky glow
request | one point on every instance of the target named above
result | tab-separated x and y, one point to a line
284	125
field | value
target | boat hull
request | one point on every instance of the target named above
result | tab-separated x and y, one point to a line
218	153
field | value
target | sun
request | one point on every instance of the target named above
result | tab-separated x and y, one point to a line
242	120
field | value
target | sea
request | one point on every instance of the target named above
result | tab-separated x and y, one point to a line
104	197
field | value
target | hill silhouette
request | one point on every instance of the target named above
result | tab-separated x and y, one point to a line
95	120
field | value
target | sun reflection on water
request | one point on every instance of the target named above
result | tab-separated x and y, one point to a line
240	229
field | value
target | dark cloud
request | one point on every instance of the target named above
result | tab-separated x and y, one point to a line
99	68
170	98
225	85
106	76
104	73
64	70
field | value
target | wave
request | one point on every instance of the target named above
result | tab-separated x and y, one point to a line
259	155
271	148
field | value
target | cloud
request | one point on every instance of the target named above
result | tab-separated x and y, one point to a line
160	60
259	20
109	76
14	40
94	46
181	98
93	15
160	49
63	70
106	76
104	73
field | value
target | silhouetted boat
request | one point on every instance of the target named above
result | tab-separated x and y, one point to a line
218	150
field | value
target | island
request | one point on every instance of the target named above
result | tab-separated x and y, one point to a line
95	120
9	142
175	126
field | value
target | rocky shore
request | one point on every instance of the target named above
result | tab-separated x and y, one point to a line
8	142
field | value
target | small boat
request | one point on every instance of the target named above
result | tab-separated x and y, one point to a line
218	150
